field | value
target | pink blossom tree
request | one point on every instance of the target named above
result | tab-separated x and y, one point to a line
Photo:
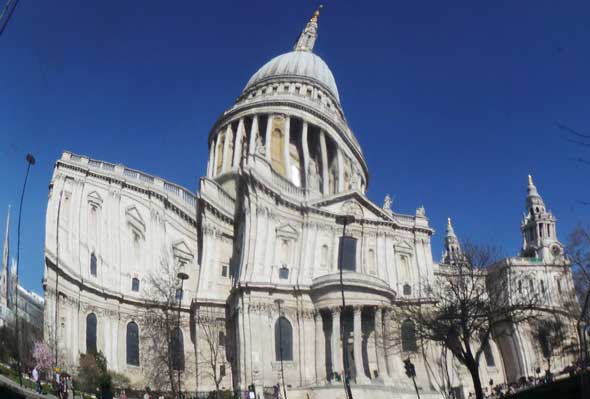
43	356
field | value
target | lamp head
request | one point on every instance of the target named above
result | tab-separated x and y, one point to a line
182	276
344	219
31	159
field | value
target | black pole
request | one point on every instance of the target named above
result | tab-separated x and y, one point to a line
30	161
278	301
61	193
347	390
178	333
415	386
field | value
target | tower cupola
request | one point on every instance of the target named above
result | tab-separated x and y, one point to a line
538	228
452	246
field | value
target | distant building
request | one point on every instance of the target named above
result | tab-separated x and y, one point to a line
30	304
263	226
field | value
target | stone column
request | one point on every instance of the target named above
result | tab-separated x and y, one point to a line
253	135
393	360
268	135
340	163
286	141
239	142
226	165
361	377
217	154
379	346
336	350
324	151
211	164
320	349
305	174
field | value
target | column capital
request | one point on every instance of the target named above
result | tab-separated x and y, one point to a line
335	309
358	308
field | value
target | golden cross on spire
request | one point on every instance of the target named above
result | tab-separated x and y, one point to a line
316	14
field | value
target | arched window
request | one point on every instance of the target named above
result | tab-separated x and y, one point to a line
135	284
283	339
177	349
91	333
488	354
409	336
93	264
132	344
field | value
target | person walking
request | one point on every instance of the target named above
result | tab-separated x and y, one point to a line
70	387
37	380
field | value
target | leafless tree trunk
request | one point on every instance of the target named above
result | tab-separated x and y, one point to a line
578	251
465	306
158	325
212	355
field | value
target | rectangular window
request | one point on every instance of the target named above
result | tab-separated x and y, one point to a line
222	370
221	338
559	286
224	271
347	253
542	286
178	295
284	273
531	286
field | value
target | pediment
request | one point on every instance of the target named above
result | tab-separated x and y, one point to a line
135	220
404	246
287	231
181	250
356	204
95	198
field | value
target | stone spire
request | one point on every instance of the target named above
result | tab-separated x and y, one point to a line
4	278
309	35
452	246
538	228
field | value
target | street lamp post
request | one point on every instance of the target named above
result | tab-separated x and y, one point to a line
279	302
181	276
344	220
30	161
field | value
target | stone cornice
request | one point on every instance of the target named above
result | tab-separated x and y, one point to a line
124	184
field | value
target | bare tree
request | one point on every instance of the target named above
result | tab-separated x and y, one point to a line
160	332
481	255
550	336
578	251
211	348
464	306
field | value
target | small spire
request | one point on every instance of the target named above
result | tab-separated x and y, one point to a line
316	14
450	230
531	180
307	39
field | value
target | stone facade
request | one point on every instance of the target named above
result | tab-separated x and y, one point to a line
261	232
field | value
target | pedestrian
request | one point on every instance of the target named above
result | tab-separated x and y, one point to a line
123	395
37	380
70	387
147	395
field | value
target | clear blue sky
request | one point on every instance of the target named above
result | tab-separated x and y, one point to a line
454	103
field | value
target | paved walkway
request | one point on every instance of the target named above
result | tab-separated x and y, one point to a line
5	381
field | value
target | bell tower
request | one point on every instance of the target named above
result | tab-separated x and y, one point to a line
538	228
452	246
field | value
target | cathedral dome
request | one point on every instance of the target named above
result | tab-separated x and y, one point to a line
298	64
